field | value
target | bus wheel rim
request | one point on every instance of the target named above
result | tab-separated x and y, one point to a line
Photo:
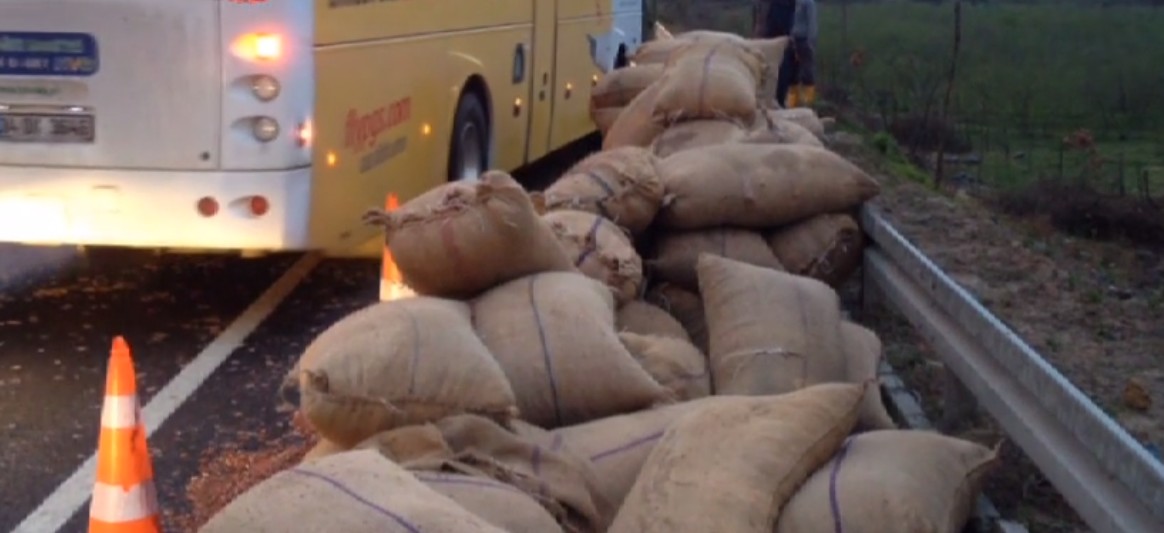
471	151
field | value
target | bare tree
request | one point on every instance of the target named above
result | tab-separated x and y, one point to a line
940	168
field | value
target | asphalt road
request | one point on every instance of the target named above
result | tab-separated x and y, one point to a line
58	316
60	310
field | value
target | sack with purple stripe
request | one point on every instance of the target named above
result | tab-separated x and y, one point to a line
394	364
499	504
487	459
600	249
554	336
621	184
618	446
354	492
892	480
731	465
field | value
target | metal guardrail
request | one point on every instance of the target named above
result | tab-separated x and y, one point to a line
1107	476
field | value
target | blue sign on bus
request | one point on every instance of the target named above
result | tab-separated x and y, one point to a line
27	53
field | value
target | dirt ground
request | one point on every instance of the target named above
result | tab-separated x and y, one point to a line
1093	309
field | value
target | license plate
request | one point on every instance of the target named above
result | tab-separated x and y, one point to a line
44	128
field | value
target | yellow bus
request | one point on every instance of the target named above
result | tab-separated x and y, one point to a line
265	125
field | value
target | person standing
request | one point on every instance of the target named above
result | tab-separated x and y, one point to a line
804	30
797	20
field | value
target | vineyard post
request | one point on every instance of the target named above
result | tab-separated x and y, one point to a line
940	168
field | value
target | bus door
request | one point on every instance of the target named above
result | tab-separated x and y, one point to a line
541	98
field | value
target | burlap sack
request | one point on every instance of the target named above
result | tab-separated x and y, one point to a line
661	32
559	480
618	87
499	504
459	239
714	81
781	131
645	318
695	133
826	247
805	116
560	476
862	357
604	118
710	35
677	252
637	124
659	52
618	446
397	363
771	332
354	492
687	307
416	447
892	481
600	249
322	449
758	185
621	184
731	466
676	364
664	50
771	50
554	336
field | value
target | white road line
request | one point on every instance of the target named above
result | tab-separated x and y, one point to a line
71	494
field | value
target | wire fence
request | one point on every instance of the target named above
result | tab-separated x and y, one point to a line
1116	162
1108	152
1029	105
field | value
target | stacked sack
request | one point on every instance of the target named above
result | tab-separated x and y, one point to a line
650	345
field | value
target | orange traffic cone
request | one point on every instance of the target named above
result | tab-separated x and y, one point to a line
124	498
392	285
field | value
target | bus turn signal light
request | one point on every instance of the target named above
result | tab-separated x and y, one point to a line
258	47
305	134
268	47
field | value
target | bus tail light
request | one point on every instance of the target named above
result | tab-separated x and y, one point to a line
259	205
207	206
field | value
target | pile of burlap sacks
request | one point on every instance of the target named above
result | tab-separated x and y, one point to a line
653	344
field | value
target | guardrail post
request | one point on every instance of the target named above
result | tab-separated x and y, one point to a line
869	297
958	403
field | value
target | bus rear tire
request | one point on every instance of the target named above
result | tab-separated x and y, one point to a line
469	151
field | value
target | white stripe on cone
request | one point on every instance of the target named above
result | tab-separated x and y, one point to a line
113	504
391	290
120	412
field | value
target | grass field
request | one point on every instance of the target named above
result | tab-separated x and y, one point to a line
1029	61
1029	74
